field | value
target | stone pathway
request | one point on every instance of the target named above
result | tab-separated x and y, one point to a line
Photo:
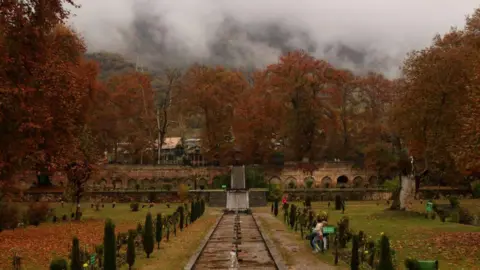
253	251
296	255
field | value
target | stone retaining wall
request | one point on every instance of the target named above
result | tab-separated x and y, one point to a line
257	197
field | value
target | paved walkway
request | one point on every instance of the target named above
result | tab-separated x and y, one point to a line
296	255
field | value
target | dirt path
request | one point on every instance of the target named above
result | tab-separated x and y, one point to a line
296	254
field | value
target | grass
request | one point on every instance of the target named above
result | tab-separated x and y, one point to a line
411	235
121	212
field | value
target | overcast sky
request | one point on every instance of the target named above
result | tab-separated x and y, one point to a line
384	30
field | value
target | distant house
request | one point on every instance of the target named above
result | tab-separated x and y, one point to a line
192	147
172	150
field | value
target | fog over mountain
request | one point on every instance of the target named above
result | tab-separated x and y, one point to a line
361	35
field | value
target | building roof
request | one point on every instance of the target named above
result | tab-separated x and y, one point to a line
171	142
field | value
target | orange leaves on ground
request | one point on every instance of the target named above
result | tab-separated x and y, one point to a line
454	247
38	245
458	246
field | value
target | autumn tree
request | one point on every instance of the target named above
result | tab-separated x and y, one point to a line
213	92
257	120
304	86
346	98
167	86
131	112
438	99
46	87
78	174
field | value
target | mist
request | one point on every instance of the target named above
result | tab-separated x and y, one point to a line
359	35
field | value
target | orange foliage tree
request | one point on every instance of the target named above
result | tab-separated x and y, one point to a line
304	86
213	93
129	114
257	121
53	111
438	102
46	87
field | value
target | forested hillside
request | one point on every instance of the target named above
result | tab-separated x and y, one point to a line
110	64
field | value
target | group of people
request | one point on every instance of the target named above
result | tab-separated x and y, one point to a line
318	239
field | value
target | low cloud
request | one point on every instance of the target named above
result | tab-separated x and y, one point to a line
361	35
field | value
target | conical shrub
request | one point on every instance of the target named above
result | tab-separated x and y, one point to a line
354	263
293	212
147	237
203	206
130	249
192	212
59	264
75	262
385	259
181	217
275	207
109	247
158	229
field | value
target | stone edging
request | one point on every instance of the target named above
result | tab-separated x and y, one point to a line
276	256
193	259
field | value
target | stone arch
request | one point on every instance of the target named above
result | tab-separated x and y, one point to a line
291	185
202	183
151	183
342	181
309	182
275	180
372	181
300	184
102	183
117	183
326	182
144	183
291	182
358	181
189	182
167	186
23	183
131	183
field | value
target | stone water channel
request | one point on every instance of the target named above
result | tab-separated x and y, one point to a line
236	243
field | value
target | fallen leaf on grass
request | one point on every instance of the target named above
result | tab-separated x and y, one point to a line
457	246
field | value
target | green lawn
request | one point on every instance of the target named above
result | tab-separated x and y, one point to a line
121	212
454	245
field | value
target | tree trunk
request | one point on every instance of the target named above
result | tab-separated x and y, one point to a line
395	200
160	142
77	209
396	196
407	192
115	151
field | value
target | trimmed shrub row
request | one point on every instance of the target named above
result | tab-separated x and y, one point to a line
143	238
